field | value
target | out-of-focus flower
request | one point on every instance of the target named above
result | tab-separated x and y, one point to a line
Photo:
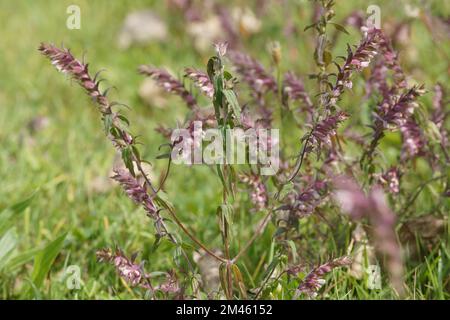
38	123
294	89
304	202
188	8
391	179
440	115
169	83
351	198
246	20
274	48
152	94
391	61
373	206
170	285
205	32
378	80
356	19
312	283
142	27
201	80
127	269
258	195
413	139
229	27
221	48
253	73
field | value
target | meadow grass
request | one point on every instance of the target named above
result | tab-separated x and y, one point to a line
54	167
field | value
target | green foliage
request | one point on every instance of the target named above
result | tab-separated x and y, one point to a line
65	158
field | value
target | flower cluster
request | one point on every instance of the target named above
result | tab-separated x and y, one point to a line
138	193
396	112
325	129
390	58
314	280
134	190
378	80
66	63
303	203
171	285
355	61
294	89
201	80
127	269
169	83
391	179
413	139
439	117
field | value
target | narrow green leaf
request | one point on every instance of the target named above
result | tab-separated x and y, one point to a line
127	159
107	121
293	250
7	244
233	102
339	27
44	260
22	205
18	260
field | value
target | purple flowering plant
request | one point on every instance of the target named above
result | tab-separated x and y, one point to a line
322	185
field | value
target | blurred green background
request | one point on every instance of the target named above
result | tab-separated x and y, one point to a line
53	147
